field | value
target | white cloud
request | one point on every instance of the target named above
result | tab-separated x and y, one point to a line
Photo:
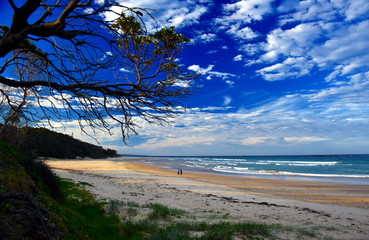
205	38
227	100
295	123
240	33
291	67
288	5
251	49
237	15
254	141
347	50
210	74
88	10
317	10
107	54
296	119
183	84
167	13
182	16
221	74
324	37
230	83
238	58
198	69
357	9
100	2
185	141
296	41
246	11
124	70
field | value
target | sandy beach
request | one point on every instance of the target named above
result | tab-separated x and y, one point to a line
331	210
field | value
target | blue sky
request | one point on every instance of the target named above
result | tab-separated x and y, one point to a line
278	77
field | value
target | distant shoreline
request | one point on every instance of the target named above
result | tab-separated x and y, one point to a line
355	194
209	197
157	161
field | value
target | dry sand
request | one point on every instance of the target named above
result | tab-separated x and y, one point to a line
330	210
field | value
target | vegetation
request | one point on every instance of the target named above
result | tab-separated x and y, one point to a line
24	187
34	204
162	212
67	61
64	61
29	209
41	142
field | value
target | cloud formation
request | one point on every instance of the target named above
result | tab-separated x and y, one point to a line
304	123
308	35
322	42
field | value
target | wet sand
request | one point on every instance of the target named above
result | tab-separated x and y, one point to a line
334	210
321	192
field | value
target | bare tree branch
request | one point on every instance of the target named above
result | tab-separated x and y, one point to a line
90	69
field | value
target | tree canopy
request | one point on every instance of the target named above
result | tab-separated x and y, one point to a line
71	60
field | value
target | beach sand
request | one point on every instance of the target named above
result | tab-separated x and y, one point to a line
329	210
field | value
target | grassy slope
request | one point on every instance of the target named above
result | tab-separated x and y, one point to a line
55	208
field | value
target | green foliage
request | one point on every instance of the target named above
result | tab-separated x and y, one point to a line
150	54
114	206
129	25
44	177
79	216
82	217
41	142
169	38
162	212
21	199
13	176
9	154
307	232
220	231
85	184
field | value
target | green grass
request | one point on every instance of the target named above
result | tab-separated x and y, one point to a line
85	219
113	206
82	217
79	216
162	212
13	176
226	230
85	184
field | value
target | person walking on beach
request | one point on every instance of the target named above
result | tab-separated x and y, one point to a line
180	171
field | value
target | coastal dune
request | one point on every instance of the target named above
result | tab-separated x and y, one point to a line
331	210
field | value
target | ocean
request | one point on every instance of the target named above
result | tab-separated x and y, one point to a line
326	168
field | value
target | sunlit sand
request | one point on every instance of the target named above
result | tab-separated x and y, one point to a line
343	207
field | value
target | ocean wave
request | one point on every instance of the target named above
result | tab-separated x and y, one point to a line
230	169
323	175
303	164
272	172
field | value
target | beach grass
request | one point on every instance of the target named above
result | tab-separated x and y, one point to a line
78	215
162	212
83	217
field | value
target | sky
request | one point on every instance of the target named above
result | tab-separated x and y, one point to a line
277	78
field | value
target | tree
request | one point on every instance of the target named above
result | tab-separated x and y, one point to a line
81	65
15	114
